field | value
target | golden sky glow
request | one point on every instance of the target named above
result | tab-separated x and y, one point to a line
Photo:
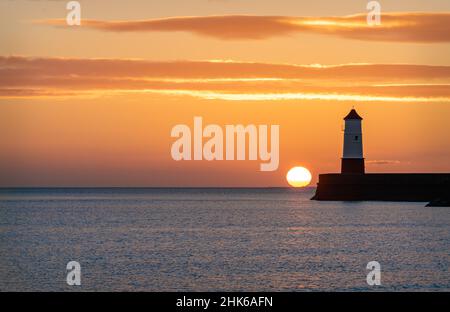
94	105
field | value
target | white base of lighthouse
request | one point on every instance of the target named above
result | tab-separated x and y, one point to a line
353	165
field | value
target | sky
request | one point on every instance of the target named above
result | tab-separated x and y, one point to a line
94	105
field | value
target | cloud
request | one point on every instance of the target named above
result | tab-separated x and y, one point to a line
12	67
226	80
395	27
383	162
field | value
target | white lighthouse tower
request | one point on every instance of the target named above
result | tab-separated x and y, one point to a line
352	159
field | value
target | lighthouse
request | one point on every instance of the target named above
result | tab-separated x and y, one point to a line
353	184
352	159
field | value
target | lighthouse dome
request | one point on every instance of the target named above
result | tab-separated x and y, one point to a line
353	115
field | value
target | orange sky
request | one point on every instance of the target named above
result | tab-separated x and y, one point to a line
94	105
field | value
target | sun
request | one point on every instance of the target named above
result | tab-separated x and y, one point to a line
299	177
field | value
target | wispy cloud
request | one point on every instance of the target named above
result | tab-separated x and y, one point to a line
383	162
225	80
396	27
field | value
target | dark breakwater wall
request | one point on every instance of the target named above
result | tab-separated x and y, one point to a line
383	186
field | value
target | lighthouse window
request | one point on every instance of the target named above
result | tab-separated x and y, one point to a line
356	138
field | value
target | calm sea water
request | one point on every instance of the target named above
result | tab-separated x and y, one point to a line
217	240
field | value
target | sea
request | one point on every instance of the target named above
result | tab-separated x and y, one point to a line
217	239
